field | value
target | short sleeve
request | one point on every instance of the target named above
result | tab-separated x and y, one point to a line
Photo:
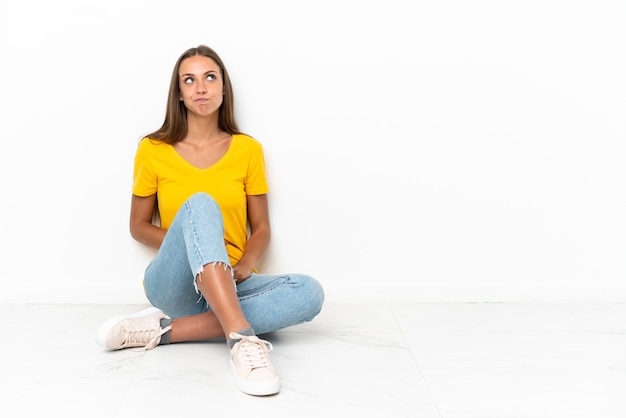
144	178
256	180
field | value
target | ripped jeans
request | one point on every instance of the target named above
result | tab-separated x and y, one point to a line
196	238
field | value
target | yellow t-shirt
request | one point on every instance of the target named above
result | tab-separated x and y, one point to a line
160	169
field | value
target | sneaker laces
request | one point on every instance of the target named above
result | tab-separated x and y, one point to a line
254	351
144	336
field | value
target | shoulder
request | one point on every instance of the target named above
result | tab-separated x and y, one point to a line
148	146
247	141
149	143
246	144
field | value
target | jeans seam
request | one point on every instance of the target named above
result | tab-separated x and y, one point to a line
195	239
255	294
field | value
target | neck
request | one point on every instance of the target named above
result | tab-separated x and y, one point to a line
203	130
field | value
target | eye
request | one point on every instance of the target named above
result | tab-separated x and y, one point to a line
188	80
211	77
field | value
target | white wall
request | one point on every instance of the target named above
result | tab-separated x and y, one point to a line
417	150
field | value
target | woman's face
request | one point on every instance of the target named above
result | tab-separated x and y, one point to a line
201	85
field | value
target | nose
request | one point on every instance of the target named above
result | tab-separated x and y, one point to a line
202	88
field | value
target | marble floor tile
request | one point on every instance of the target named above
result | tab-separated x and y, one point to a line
333	365
537	392
399	360
501	360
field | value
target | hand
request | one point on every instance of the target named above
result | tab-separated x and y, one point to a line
241	272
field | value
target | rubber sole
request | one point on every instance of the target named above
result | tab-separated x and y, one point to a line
255	388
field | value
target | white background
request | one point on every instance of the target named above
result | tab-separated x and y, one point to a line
417	150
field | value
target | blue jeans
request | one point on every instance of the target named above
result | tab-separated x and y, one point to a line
195	239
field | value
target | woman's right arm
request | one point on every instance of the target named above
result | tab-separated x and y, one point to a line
141	227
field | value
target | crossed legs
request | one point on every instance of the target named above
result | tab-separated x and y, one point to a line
226	316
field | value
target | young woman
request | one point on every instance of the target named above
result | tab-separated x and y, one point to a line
206	182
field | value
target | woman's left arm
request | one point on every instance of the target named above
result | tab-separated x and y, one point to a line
260	233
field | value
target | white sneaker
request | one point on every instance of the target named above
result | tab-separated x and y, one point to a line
142	329
251	367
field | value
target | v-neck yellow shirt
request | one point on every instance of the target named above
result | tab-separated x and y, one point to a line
160	169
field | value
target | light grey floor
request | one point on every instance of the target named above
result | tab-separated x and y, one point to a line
386	360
